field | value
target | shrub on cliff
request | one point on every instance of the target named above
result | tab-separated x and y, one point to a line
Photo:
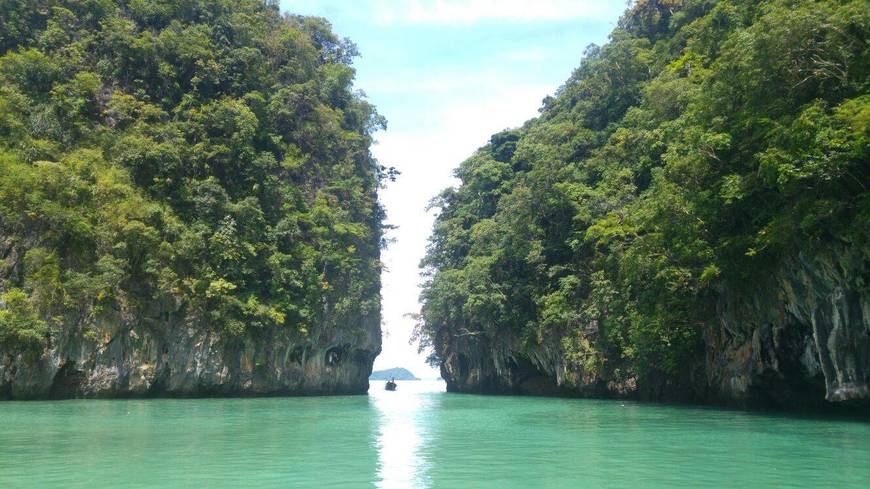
707	141
169	159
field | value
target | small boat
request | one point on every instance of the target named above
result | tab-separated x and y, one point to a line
390	385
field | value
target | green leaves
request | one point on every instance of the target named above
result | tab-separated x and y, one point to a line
31	70
20	326
43	277
704	144
207	158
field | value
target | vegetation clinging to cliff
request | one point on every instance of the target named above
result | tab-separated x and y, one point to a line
182	158
703	144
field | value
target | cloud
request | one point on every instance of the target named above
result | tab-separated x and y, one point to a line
472	11
444	94
450	82
460	12
426	159
529	55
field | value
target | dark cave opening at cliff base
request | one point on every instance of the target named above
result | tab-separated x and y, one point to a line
67	382
785	381
520	377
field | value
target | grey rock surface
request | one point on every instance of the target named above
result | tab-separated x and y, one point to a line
801	339
118	359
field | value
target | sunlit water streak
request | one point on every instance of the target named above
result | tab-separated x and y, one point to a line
420	437
403	432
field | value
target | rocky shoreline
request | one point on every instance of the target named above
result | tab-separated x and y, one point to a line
803	343
183	361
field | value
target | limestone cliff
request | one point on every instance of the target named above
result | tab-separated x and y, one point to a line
117	359
687	219
188	202
802	340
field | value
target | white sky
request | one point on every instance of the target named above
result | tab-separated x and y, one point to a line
447	74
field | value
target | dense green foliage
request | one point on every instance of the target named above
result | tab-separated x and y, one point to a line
704	144
205	160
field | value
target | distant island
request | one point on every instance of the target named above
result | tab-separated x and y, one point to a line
398	373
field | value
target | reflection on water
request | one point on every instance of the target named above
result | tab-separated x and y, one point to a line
426	438
403	430
420	437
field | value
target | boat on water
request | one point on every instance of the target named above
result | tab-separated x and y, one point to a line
390	385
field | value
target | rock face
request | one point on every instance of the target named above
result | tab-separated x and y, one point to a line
801	341
179	360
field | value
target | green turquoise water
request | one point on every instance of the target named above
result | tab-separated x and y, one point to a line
420	437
